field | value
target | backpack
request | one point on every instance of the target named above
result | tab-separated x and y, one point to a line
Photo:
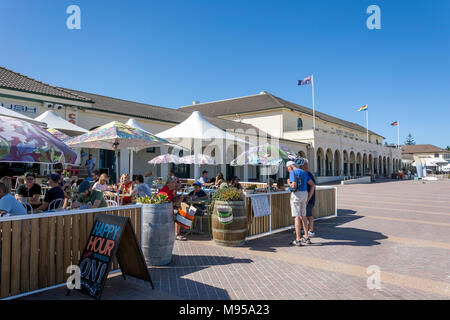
298	182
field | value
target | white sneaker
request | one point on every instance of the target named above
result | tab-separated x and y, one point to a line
311	234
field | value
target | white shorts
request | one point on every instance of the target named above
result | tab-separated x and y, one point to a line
298	203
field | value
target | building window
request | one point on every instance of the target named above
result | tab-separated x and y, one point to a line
299	124
436	155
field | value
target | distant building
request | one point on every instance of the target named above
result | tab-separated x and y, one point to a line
435	158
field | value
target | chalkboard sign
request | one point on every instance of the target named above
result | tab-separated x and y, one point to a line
111	236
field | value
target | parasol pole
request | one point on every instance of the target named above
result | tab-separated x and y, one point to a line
131	164
116	153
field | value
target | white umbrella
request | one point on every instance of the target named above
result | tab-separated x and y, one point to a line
54	121
196	128
197	159
12	114
133	123
165	158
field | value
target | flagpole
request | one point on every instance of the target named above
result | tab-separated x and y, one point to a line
398	134
314	110
367	123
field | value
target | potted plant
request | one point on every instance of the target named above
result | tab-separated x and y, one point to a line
229	219
158	233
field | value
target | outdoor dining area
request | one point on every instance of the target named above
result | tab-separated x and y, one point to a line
45	219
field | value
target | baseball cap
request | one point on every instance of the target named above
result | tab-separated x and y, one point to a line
85	185
290	163
197	184
54	177
30	174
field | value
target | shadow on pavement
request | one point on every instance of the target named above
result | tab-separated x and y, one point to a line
329	229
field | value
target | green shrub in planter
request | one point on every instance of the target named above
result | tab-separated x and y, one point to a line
228	194
155	199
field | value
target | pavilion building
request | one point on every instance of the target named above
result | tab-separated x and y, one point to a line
336	148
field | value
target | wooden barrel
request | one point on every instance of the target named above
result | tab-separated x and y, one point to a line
229	227
158	234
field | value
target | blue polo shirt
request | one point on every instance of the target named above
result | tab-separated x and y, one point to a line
301	178
9	204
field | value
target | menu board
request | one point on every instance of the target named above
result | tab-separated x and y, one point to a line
260	205
111	236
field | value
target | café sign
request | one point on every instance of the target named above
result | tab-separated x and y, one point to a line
22	108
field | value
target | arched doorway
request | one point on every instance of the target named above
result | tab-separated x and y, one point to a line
364	166
371	164
329	163
320	162
352	164
337	163
346	171
358	164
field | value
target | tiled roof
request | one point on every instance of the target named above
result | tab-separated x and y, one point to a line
261	102
16	81
141	110
422	148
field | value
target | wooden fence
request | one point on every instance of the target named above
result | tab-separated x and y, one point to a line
325	206
37	249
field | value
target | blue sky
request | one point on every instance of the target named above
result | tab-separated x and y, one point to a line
170	53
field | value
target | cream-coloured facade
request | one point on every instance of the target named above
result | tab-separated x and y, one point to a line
335	149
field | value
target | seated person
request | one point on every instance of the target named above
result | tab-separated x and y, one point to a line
198	193
141	189
236	183
149	179
219	180
126	187
226	184
280	185
8	204
102	183
30	191
204	179
170	189
89	198
56	192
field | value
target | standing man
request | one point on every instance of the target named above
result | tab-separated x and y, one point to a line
298	181
312	201
90	164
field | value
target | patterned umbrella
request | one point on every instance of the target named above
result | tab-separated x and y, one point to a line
61	136
197	159
165	158
22	141
114	136
264	155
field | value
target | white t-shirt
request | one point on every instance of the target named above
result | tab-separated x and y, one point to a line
9	204
100	187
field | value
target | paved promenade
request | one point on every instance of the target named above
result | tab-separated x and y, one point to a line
402	227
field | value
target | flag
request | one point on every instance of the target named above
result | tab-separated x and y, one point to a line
305	81
363	108
394	123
